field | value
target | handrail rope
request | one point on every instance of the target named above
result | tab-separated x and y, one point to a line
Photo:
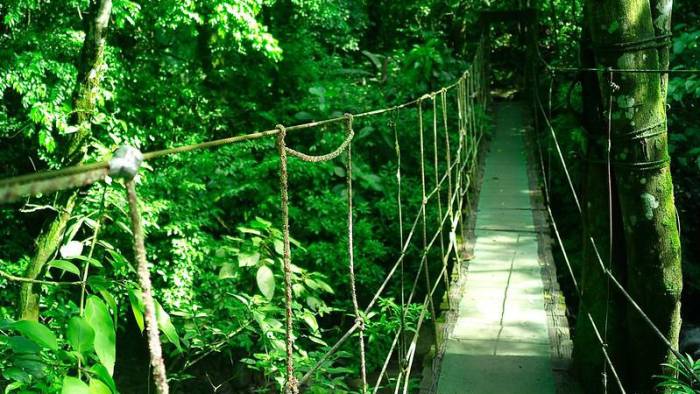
570	69
153	334
80	175
607	272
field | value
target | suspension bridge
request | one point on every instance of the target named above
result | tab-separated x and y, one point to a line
503	327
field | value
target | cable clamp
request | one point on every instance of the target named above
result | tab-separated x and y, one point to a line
125	163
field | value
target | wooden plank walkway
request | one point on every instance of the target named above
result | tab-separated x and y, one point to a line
500	341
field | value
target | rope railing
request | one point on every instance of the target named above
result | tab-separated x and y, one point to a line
453	168
460	167
540	109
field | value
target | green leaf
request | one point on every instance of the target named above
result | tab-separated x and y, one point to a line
98	387
109	299
248	260
100	372
21	345
80	335
73	385
65	266
137	306
31	363
166	326
37	332
310	320
90	260
227	271
98	316
266	281
14	373
313	303
279	246
13	386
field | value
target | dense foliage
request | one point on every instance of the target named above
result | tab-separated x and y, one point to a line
178	72
183	72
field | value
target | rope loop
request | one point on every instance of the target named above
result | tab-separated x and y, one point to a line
349	135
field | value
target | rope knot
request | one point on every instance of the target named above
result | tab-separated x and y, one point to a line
125	163
360	323
349	117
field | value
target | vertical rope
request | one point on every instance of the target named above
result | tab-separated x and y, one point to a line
291	385
351	260
608	150
424	201
156	353
467	128
448	158
439	200
397	146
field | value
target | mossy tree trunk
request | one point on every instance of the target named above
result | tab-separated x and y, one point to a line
90	71
622	33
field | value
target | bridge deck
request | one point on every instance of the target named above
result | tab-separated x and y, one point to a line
500	341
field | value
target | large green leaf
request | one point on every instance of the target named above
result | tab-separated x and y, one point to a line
37	332
100	372
20	345
65	266
137	307
166	326
266	281
98	387
227	271
162	317
98	316
248	260
80	334
73	385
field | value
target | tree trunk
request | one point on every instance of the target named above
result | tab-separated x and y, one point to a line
90	71
604	304
623	34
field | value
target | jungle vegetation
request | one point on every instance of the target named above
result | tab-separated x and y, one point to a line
78	78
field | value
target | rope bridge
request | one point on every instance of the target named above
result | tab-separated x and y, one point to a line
470	94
